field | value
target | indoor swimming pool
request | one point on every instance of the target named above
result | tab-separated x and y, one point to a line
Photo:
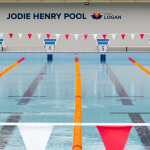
41	91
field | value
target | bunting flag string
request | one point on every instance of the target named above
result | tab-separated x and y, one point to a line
76	36
85	36
67	36
35	137
1	35
29	35
20	35
114	137
10	34
113	36
104	36
142	35
132	36
57	36
48	36
39	36
95	36
123	36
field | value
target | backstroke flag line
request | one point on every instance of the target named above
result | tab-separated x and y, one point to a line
113	36
1	35
76	36
95	36
29	35
57	36
132	36
10	34
114	137
20	35
123	36
39	36
85	36
67	36
35	137
104	36
48	36
141	35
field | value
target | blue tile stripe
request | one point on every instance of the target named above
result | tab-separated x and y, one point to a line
103	43
49	40
49	43
102	40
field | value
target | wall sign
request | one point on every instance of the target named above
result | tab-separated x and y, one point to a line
60	15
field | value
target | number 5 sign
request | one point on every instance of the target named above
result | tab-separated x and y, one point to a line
102	44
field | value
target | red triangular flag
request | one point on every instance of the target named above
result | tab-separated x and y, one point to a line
10	34
123	35
67	36
142	35
85	36
29	35
104	36
114	137
48	36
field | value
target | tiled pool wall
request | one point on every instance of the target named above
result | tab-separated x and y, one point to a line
111	57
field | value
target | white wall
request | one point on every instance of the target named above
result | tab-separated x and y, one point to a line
134	19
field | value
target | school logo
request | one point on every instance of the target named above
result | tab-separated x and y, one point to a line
96	16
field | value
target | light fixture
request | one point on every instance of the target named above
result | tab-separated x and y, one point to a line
86	3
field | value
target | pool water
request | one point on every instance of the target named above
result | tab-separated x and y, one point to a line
115	91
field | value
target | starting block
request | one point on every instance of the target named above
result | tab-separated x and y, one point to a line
49	44
1	42
102	44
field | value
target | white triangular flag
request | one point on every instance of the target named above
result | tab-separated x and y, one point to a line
20	35
95	36
113	36
39	36
132	36
57	35
76	36
1	35
35	137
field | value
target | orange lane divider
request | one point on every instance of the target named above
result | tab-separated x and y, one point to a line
10	67
77	133
140	66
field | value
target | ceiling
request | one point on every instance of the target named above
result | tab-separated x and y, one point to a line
74	1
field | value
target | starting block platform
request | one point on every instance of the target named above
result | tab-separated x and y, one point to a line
49	44
102	44
1	42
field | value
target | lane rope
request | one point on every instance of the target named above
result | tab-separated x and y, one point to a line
140	66
10	67
77	132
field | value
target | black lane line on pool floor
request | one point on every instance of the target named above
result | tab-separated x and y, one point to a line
29	92
143	132
130	112
30	96
128	96
119	88
16	113
7	131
